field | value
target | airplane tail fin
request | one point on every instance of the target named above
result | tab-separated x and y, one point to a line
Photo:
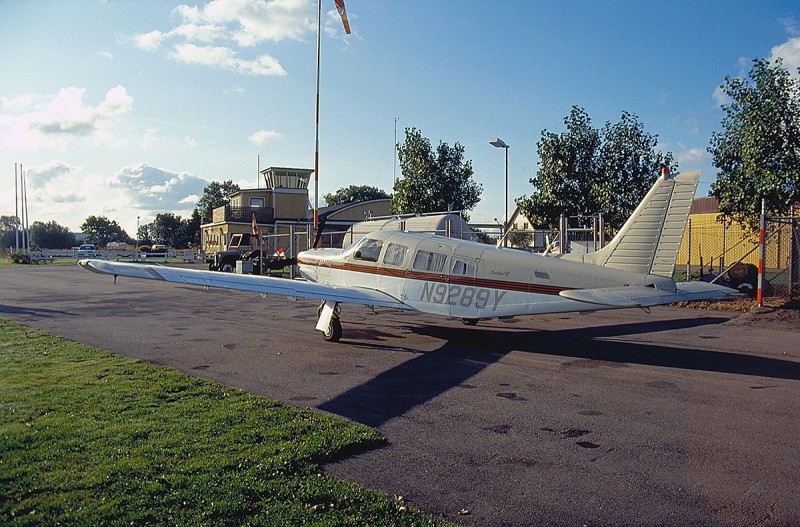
648	243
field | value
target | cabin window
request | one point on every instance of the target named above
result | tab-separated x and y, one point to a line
429	261
395	254
369	250
463	268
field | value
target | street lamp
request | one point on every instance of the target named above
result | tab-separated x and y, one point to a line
499	143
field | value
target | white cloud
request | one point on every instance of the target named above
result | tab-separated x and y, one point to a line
692	126
105	54
693	156
720	96
41	175
262	136
245	23
149	41
789	51
69	194
32	122
225	58
791	26
153	189
249	23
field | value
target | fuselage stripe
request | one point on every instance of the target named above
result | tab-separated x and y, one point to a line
409	274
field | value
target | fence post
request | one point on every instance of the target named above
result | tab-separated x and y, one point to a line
794	249
688	248
563	240
761	253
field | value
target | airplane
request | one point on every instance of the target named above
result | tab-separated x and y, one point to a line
474	281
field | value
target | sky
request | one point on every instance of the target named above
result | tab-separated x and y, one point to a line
128	109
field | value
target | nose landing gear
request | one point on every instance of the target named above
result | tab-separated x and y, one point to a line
329	323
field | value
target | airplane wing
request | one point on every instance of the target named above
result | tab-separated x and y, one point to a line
648	296
258	284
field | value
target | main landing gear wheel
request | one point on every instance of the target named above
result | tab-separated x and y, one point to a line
334	331
469	321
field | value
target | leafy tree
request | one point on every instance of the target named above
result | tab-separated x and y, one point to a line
584	170
758	150
568	172
143	234
51	235
170	229
8	228
215	195
100	231
433	181
629	164
354	194
193	228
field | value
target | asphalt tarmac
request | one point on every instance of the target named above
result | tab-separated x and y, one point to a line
675	417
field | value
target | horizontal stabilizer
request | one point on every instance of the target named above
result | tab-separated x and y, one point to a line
243	282
648	296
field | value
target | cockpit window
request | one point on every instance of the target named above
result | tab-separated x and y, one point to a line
369	250
429	261
395	254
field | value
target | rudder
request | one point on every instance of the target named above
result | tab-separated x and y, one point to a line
648	243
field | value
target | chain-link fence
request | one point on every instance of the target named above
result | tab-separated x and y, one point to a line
729	254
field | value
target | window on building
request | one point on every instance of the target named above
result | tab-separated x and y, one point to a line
429	261
257	203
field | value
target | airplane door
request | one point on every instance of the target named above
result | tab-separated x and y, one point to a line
464	291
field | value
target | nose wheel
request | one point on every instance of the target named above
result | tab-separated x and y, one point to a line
329	323
334	331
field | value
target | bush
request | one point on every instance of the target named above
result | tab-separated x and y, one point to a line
20	258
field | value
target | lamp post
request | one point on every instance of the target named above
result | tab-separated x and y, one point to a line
499	143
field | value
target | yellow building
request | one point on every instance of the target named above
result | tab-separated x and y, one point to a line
714	245
279	209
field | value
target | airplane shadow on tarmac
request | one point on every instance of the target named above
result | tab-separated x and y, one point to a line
37	312
467	351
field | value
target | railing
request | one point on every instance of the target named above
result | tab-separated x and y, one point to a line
233	213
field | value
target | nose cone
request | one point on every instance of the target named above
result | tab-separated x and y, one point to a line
309	262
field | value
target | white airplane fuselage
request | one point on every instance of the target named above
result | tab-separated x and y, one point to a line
464	279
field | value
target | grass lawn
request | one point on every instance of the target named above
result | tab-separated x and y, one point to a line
90	438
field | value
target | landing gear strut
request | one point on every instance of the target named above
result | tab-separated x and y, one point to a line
329	323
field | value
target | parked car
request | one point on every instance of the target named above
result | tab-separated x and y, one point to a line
87	249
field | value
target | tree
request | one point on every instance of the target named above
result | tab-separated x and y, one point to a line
757	152
170	229
8	229
100	231
629	164
193	228
215	195
51	235
433	182
143	234
354	194
568	172
584	171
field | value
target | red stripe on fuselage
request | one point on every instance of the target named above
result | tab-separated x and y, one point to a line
409	274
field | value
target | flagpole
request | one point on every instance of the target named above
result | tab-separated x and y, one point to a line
16	209
316	128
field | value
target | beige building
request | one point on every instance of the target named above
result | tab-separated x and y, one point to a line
279	209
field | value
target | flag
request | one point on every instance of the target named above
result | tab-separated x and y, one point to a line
256	238
343	14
